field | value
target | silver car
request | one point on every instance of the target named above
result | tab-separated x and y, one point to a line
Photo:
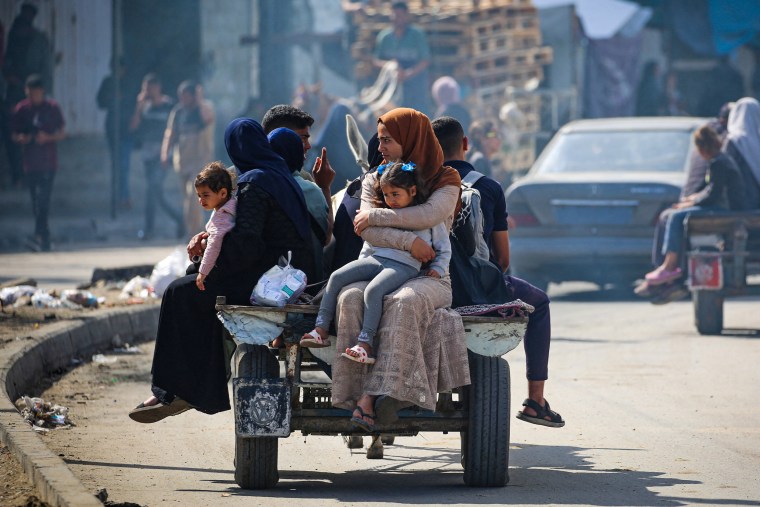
587	208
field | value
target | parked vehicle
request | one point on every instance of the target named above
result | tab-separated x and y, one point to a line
724	252
587	208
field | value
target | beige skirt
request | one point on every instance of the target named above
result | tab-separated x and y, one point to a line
420	345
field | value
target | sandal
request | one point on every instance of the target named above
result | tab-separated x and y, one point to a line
369	427
541	413
154	413
315	342
362	358
664	276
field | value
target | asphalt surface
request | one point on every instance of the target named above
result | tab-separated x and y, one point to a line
656	415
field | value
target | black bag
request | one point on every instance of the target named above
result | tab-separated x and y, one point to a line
474	281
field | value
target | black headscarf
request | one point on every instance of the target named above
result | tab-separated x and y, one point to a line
249	149
289	146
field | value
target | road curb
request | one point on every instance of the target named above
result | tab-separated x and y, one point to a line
51	348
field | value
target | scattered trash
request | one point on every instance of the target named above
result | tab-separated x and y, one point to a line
10	295
101	359
126	349
43	299
167	270
137	288
82	298
43	416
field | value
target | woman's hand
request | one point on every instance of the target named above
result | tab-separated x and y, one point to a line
199	281
422	251
361	221
197	245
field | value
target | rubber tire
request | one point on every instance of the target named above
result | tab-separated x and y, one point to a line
708	311
485	444
256	458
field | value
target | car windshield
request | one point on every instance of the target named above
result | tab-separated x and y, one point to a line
629	151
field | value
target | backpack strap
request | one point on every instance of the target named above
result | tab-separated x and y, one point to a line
472	178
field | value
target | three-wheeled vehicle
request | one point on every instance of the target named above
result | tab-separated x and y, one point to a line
724	250
273	395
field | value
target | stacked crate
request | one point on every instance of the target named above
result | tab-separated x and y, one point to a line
487	45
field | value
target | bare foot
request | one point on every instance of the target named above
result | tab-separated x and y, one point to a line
151	401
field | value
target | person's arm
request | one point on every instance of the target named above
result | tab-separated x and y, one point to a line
220	224
134	122
500	247
438	208
56	125
205	107
324	175
169	137
442	247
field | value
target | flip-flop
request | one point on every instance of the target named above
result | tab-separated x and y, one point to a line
154	413
541	412
361	423
315	342
362	358
664	276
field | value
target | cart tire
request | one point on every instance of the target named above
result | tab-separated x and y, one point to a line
485	443
708	311
256	458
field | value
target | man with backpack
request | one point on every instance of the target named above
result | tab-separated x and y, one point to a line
496	236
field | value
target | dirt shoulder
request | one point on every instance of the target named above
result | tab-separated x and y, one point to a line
19	323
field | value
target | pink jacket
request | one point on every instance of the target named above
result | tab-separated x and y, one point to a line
220	223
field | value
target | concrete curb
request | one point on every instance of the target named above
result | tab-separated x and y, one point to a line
46	350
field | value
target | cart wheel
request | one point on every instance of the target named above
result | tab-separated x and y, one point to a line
708	311
485	443
256	458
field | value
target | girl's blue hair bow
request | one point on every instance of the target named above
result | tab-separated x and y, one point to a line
408	167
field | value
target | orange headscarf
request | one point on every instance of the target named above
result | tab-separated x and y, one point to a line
413	131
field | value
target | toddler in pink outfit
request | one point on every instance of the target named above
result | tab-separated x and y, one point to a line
214	188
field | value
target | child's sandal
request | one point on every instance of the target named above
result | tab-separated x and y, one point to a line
362	356
313	340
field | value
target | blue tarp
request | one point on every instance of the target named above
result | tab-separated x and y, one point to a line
734	23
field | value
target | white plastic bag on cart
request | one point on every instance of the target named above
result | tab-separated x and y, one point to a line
280	285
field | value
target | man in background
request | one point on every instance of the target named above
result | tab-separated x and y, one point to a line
37	125
408	46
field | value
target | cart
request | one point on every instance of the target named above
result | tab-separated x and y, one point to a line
724	252
275	393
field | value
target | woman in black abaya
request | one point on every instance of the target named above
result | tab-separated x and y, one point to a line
189	368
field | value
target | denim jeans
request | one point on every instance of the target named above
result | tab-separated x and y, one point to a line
674	229
41	187
539	332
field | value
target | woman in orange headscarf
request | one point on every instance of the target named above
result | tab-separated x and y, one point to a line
422	346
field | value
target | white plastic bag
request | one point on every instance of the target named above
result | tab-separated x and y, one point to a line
280	285
167	270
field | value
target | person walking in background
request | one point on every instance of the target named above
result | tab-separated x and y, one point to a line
448	100
189	140
650	95
37	125
118	108
408	46
486	142
28	52
148	122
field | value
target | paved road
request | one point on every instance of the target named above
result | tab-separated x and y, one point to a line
657	415
73	264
